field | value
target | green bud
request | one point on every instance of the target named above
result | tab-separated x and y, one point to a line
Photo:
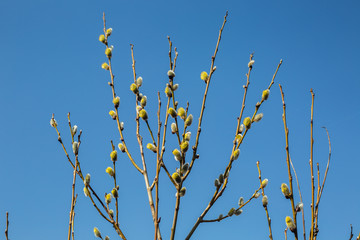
116	102
139	81
74	130
87	180
182	113
121	147
171	74
182	191
108	52
217	183
221	178
185	167
151	147
75	147
231	212
53	122
86	192
290	224
111	212
258	117
115	193
172	112
251	63
108	198
265	201
168	92
189	120
238	212
173	128
97	232
143	114
264	183
105	66
113	155
177	154
143	101
285	190
241	201
108	32
265	94
187	136
110	171
134	88
299	206
102	38
184	146
175	87
176	177
247	122
235	155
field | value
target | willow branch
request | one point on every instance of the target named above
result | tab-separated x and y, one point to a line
265	206
302	209
212	70
288	161
312	168
323	184
116	109
7	226
139	139
71	220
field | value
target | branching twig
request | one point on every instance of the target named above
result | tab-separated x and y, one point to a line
302	209
265	206
288	162
322	186
312	168
144	170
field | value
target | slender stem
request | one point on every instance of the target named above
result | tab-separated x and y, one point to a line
322	186
212	70
302	209
288	161
144	169
7	226
312	168
265	206
116	109
71	220
351	232
156	180
176	211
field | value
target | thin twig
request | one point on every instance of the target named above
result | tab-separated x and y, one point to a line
158	164
139	139
302	209
288	161
322	186
73	219
212	69
351	232
218	193
265	206
240	207
7	226
116	109
312	168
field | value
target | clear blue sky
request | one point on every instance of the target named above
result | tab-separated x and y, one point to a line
50	63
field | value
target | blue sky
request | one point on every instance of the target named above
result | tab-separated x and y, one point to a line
50	63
